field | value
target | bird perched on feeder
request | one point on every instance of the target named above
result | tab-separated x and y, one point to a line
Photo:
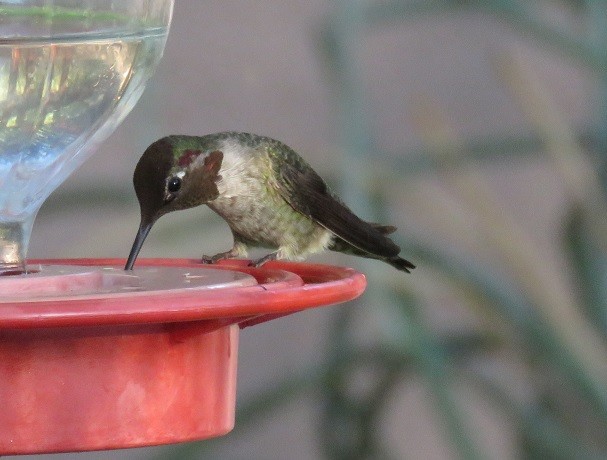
268	195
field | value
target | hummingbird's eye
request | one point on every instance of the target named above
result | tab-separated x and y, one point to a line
174	184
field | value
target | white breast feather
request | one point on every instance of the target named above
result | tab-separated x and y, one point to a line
240	171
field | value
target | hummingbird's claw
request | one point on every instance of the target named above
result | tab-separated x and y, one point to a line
259	262
216	258
238	250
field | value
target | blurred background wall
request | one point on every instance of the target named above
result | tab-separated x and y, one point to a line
475	127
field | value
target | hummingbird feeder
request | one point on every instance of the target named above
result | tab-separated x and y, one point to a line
91	356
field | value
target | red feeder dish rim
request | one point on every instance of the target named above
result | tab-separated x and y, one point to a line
282	288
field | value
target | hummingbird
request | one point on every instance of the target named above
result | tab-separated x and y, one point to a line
268	194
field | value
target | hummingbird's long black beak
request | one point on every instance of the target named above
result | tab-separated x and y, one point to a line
144	229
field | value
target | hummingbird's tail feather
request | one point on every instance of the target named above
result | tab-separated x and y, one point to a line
400	264
397	262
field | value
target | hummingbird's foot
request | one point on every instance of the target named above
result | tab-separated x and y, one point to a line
238	250
217	257
211	260
259	262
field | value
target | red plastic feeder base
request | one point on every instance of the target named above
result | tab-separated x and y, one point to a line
90	372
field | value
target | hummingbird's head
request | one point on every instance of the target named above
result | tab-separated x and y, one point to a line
175	172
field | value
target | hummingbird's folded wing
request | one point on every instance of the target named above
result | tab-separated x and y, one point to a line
308	194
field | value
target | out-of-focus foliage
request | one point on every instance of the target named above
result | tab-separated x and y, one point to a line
561	334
